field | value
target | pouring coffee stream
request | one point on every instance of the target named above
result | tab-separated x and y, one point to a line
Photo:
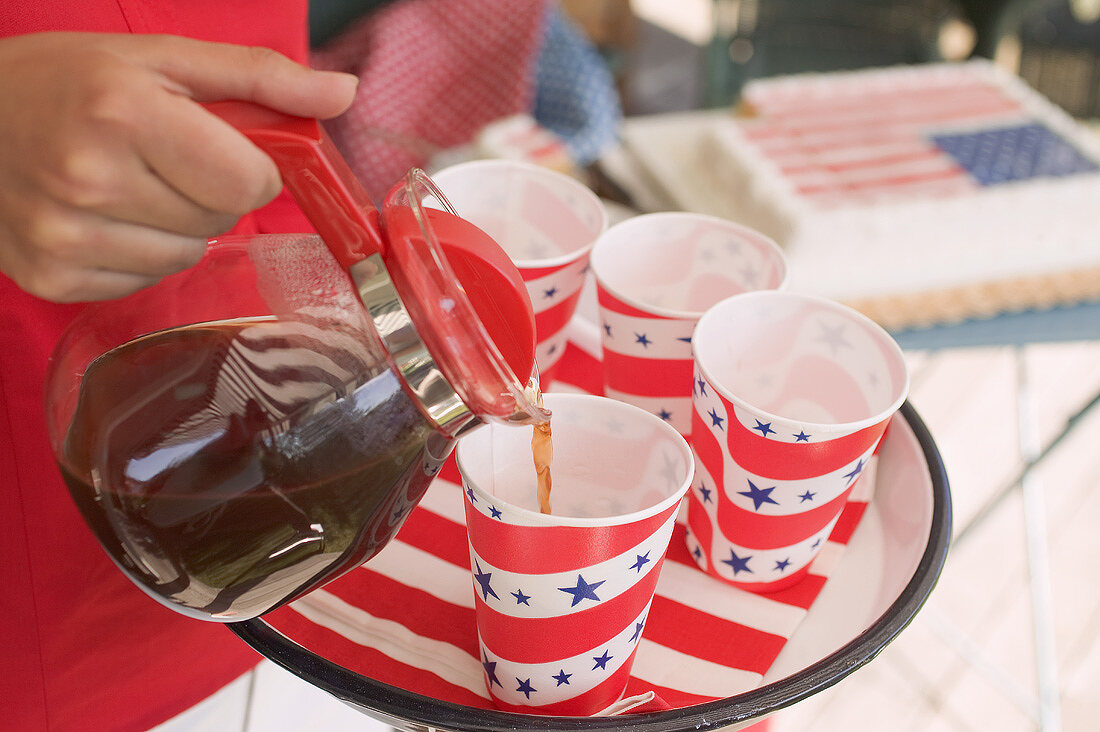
235	438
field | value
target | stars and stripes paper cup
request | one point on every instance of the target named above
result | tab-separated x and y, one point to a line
562	599
655	276
547	222
792	394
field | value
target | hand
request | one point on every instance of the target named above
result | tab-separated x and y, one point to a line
111	173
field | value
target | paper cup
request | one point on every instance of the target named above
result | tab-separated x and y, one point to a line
547	222
562	599
791	396
655	276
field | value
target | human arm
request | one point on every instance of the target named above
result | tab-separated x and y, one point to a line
112	174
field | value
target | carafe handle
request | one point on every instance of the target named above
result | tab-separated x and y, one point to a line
316	174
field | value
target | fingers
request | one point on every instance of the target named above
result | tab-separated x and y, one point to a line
72	285
137	250
76	256
217	71
204	159
118	176
200	156
132	150
131	191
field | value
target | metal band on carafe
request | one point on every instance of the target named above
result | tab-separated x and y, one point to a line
399	335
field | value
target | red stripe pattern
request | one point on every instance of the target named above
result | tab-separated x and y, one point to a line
547	222
647	360
554	292
765	498
560	609
407	617
655	276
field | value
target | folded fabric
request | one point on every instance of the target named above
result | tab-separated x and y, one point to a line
432	73
406	617
575	95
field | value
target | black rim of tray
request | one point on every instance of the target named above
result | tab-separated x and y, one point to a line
405	706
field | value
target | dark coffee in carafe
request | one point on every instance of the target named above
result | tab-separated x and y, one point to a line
230	467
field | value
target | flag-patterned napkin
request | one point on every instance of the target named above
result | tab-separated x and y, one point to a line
406	617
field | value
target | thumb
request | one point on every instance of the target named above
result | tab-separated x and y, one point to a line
215	71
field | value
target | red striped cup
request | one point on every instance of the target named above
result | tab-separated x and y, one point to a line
561	600
655	276
791	395
547	222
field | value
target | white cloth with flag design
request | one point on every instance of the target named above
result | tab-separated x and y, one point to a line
407	617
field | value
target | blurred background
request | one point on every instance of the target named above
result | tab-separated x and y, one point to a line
686	54
1010	639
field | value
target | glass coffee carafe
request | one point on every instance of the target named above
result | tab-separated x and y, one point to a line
249	429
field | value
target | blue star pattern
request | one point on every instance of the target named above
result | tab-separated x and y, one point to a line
641	561
642	337
759	496
705	493
756	566
470	494
715	412
544	594
525	687
491	671
549	293
582	591
483	579
738	564
764	428
549	682
715	420
855	471
806	496
665	414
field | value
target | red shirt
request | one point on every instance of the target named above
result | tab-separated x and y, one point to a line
81	647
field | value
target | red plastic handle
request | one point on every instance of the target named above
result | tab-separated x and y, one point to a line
315	174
